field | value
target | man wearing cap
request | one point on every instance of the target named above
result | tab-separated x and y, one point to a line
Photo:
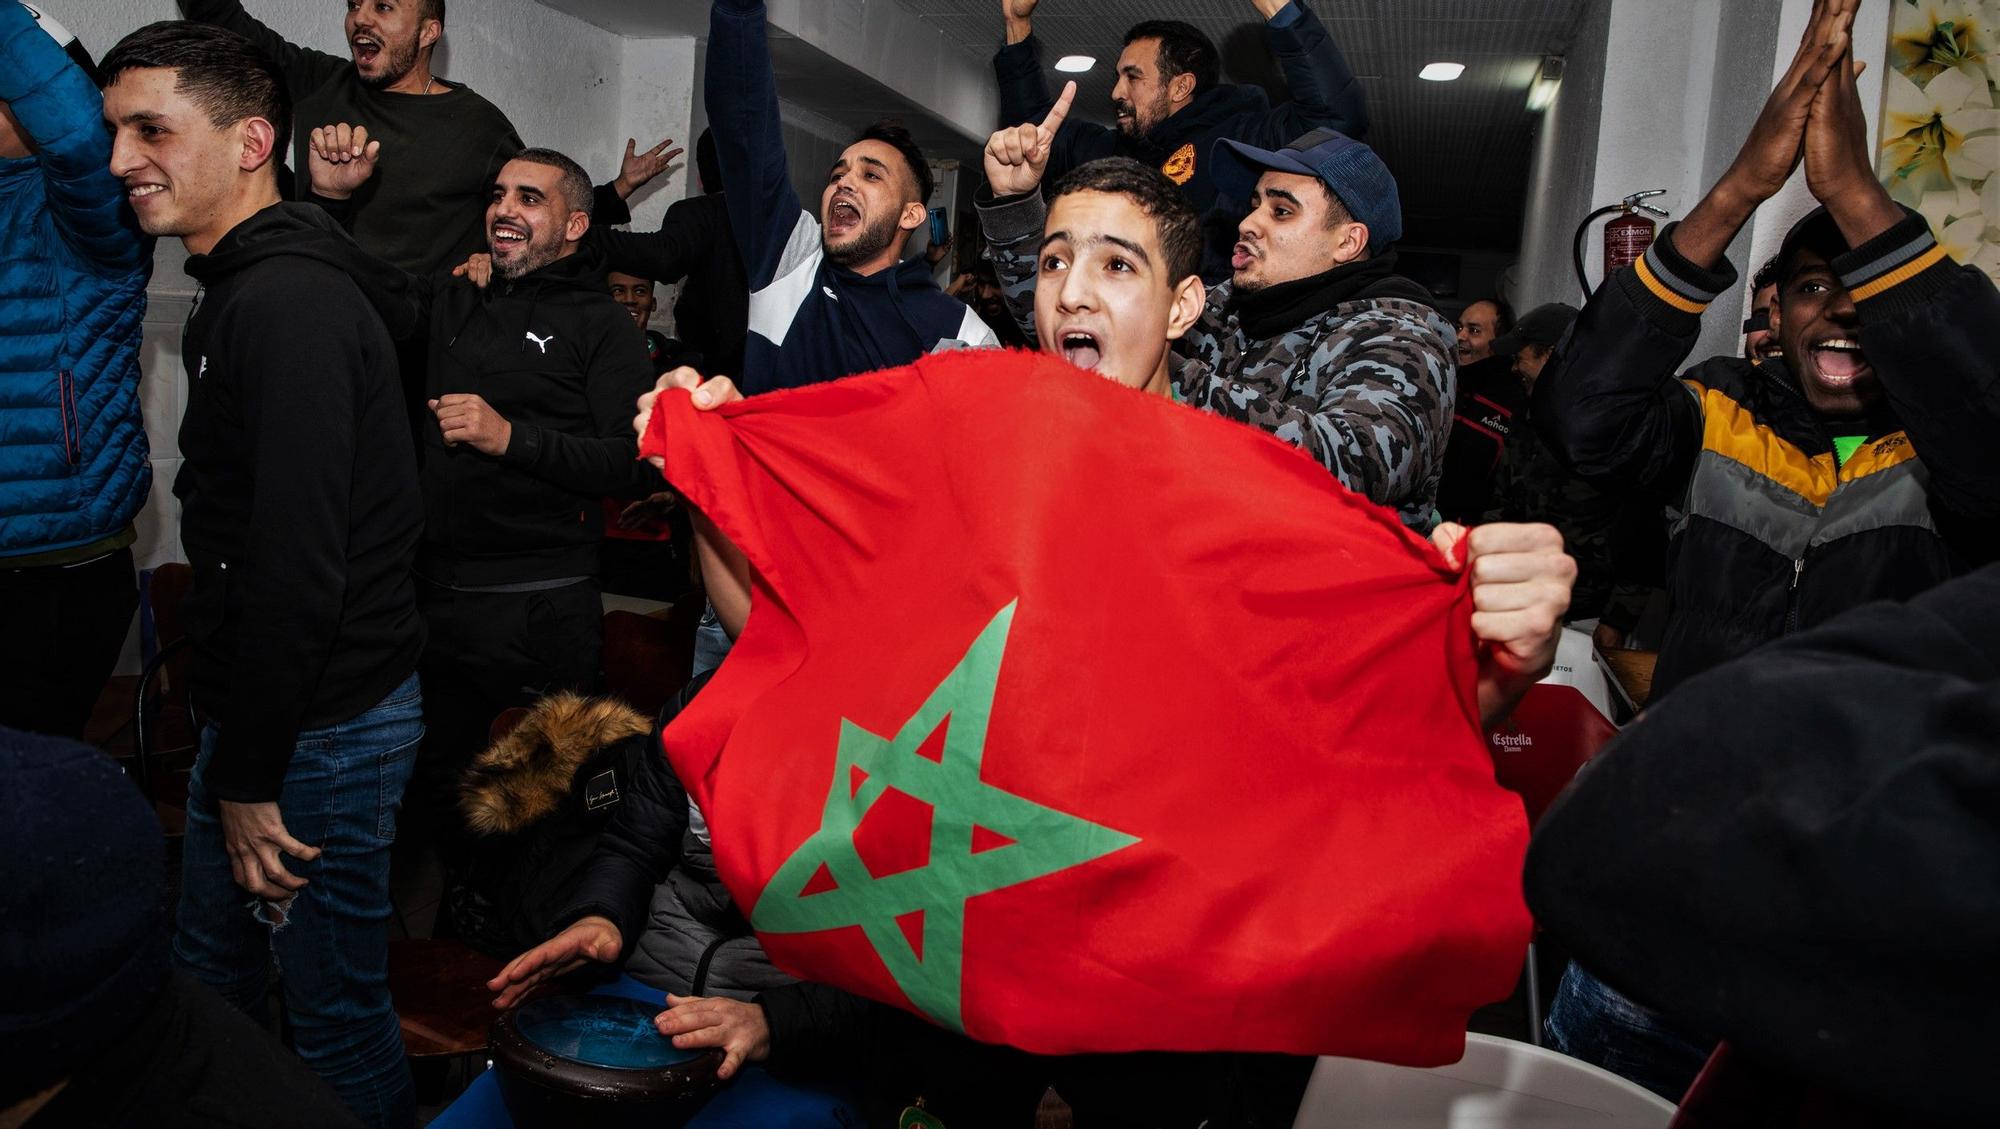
1314	338
1859	466
73	464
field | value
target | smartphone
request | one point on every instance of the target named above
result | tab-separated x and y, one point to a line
940	228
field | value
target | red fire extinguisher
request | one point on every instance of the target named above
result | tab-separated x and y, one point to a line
1625	238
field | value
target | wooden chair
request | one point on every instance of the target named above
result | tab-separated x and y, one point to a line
439	987
648	658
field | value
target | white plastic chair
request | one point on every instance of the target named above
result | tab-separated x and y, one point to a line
1499	1084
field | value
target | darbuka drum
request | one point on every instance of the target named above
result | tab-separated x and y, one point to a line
596	1060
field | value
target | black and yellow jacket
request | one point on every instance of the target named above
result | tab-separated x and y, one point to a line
1772	533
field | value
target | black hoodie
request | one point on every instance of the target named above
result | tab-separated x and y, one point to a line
552	354
300	512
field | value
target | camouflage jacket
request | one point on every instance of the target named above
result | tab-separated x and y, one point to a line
1365	387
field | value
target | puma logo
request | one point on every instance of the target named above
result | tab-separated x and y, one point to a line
203	370
828	290
541	343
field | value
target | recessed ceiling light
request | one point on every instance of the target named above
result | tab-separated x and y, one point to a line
1441	72
1075	64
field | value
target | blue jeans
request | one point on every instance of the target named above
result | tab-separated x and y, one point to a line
1591	1021
711	642
331	944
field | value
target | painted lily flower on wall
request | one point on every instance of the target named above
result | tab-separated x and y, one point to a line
1940	132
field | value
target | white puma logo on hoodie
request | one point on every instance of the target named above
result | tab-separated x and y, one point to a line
541	343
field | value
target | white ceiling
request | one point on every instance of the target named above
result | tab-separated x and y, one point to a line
1460	150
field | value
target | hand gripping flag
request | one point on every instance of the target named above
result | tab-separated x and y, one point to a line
1079	720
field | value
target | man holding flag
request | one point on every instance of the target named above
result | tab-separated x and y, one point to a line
1127	255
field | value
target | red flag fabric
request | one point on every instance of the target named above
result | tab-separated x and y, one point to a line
1079	720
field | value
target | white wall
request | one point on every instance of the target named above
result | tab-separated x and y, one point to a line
564	83
1563	175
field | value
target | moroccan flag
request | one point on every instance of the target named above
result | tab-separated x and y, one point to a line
1079	720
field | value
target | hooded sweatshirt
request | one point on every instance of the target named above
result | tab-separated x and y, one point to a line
809	319
555	357
1325	95
300	511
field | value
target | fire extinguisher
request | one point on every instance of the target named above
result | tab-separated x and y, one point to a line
1625	238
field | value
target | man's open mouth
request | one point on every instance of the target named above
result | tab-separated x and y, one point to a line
1081	348
138	191
366	48
841	215
1839	361
507	235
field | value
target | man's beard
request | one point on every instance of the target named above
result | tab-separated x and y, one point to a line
397	60
872	241
1136	126
532	258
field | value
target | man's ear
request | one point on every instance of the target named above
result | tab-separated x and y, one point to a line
1190	298
428	33
260	142
577	225
1180	88
1350	243
914	216
1777	317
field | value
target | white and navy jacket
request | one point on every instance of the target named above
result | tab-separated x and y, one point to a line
810	320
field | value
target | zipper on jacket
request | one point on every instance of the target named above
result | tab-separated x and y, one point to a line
1792	600
66	405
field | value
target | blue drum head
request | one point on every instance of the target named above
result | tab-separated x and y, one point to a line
611	1032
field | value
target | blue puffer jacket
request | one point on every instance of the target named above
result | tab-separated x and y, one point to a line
73	271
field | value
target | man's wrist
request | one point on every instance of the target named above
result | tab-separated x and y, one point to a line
1270	8
1018	30
1863	212
624	188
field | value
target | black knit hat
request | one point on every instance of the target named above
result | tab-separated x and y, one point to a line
83	936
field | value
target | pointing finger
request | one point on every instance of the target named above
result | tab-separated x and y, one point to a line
1061	110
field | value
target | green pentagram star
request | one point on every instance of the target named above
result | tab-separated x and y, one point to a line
1035	840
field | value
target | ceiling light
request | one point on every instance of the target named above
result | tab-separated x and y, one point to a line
1548	80
1441	72
1075	64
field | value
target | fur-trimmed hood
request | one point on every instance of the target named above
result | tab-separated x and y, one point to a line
529	772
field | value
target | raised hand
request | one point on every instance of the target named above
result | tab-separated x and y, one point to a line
1016	157
1840	167
341	159
590	939
1019	15
1776	143
637	168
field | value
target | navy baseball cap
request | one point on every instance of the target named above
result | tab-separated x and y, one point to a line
1541	327
1350	169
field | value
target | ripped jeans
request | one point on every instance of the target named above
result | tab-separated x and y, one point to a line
342	791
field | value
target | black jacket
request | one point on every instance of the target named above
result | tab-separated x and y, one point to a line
300	510
1491	404
694	243
559	360
1798	852
1775	536
1325	94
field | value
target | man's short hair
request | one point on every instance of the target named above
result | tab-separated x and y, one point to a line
1183	50
891	132
1767	275
1175	219
575	183
431	10
1503	314
226	76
